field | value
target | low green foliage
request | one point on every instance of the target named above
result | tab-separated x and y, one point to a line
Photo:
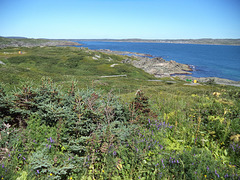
77	125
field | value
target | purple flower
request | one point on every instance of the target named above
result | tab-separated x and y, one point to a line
51	140
216	173
2	165
177	161
46	145
137	149
38	171
24	158
9	155
49	146
114	153
163	164
207	168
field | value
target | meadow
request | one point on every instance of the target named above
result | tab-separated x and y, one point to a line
61	119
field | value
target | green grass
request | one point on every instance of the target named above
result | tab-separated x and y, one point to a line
64	64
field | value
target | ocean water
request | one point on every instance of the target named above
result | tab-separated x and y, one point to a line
208	60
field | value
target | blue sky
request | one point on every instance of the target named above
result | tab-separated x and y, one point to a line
96	19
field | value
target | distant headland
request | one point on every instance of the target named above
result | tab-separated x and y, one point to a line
45	41
235	42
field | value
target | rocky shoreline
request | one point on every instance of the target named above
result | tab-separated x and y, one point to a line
162	68
156	66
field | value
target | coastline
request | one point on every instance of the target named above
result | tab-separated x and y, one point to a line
227	42
161	68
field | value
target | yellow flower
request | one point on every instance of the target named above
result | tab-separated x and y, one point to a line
50	174
205	175
216	94
103	171
119	166
70	178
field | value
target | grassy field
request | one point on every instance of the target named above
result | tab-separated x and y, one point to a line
60	119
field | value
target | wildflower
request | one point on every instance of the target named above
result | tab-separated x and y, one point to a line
70	178
2	165
38	171
163	164
49	146
216	173
137	149
119	166
24	158
205	176
103	171
114	153
50	174
51	140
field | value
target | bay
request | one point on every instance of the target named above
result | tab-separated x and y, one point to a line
221	61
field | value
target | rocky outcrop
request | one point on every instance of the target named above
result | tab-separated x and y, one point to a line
211	80
156	66
2	63
159	67
123	53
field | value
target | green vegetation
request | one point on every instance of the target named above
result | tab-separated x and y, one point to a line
59	119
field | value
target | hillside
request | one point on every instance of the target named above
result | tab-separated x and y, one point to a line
74	113
25	42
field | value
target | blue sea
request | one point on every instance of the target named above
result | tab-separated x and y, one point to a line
221	61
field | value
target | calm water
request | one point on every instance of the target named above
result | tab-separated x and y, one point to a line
208	60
